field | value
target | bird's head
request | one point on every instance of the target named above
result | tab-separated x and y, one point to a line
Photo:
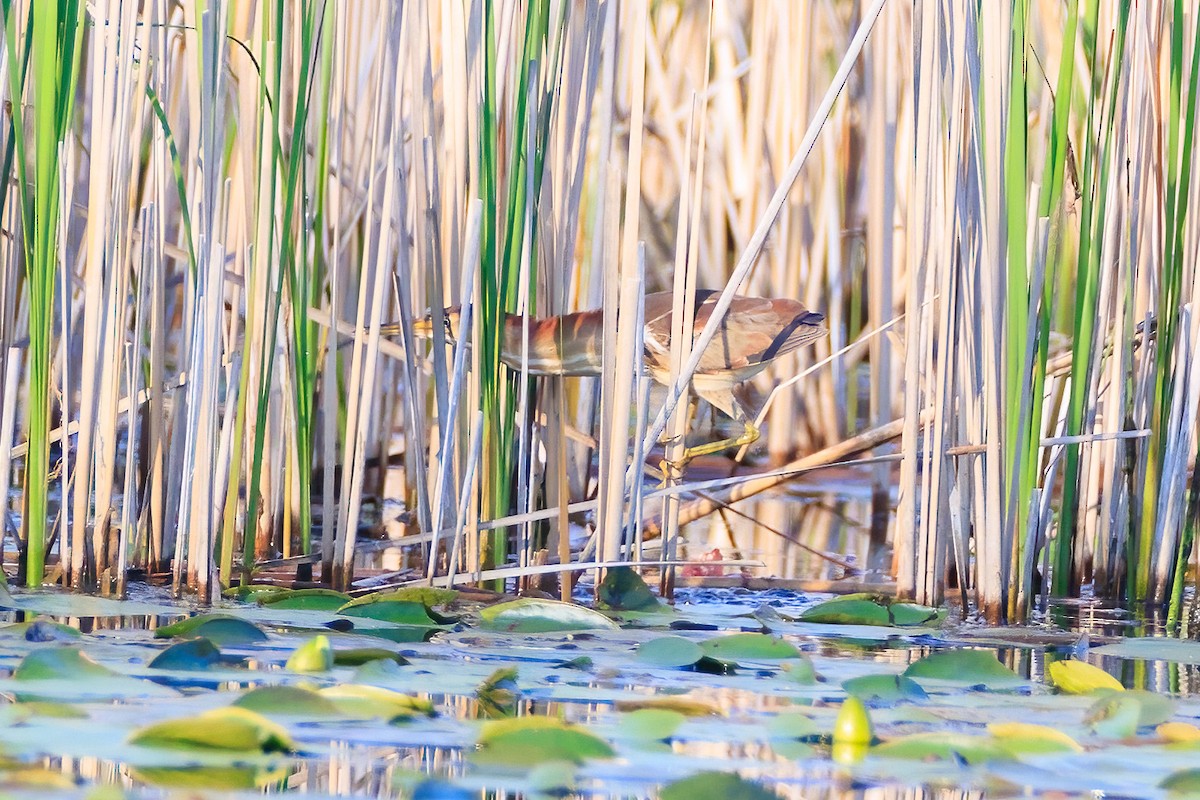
452	318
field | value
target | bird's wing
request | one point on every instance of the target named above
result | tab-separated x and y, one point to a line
758	329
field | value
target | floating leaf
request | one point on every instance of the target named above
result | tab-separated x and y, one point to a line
852	724
315	655
231	728
799	670
288	701
716	786
357	656
192	655
373	701
210	779
307	599
684	705
1153	648
792	725
651	724
498	694
872	609
220	629
60	663
1153	708
400	612
624	590
1179	732
1080	677
670	652
532	615
1020	738
41	630
886	688
427	596
527	741
975	667
1185	782
1118	718
943	746
750	646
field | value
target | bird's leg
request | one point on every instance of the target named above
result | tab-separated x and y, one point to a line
749	435
673	470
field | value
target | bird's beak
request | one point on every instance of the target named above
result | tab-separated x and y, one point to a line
423	327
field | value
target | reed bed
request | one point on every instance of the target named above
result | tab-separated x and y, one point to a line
223	224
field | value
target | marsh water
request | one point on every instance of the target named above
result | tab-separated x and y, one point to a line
70	729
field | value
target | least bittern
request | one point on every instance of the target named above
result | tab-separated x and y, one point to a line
754	332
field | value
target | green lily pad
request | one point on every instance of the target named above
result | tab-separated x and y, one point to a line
211	779
315	655
428	596
308	599
1184	782
1153	709
750	646
792	725
498	694
222	630
871	609
194	654
60	663
670	652
1117	717
533	740
624	590
1023	738
288	701
650	724
715	786
357	656
532	615
375	702
943	746
231	729
885	688
401	612
975	667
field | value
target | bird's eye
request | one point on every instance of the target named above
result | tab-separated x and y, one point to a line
449	326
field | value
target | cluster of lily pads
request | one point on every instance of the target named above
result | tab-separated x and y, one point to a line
544	698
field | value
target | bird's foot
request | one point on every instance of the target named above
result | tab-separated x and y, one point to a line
672	471
749	436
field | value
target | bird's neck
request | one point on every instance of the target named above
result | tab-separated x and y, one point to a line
563	345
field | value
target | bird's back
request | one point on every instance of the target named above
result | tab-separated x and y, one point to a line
754	331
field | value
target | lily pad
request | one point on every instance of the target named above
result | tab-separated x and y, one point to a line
943	746
532	615
60	663
1080	677
308	599
400	612
373	701
288	701
871	609
750	646
315	655
716	786
1022	738
532	740
624	590
670	652
194	654
221	629
974	667
885	688
231	729
651	724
